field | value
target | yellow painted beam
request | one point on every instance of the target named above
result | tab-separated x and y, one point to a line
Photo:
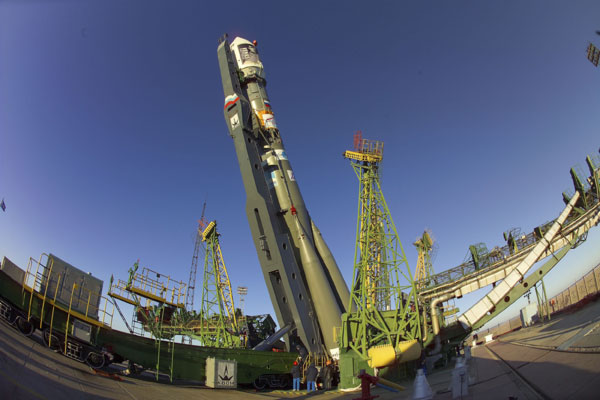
122	298
354	155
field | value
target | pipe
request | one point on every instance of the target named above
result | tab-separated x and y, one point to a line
266	344
435	323
425	330
434	313
391	384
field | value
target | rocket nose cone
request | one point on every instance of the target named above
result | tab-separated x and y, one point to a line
240	40
246	56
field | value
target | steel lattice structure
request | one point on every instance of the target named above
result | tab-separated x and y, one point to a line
424	245
383	290
217	315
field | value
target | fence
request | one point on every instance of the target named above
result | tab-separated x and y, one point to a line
584	289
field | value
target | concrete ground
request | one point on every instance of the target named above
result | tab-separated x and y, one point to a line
559	359
29	370
556	360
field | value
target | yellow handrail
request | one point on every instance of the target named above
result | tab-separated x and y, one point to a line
45	293
33	287
69	317
87	307
104	312
162	289
53	308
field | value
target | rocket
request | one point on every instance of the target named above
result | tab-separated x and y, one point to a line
306	287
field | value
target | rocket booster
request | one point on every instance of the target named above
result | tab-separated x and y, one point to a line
271	184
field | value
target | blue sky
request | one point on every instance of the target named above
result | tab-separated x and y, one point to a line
112	134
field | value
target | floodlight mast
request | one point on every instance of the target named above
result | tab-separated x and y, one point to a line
305	284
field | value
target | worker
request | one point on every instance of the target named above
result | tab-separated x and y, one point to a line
327	375
311	378
302	354
296	376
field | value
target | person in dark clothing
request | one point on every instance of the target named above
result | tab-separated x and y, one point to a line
302	354
311	378
327	375
296	376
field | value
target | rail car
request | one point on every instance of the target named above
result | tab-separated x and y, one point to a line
38	299
67	306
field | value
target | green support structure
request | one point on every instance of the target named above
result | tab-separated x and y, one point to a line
161	333
383	289
509	236
542	300
425	249
580	187
594	178
219	327
158	342
478	254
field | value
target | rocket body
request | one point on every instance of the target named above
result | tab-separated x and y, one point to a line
303	279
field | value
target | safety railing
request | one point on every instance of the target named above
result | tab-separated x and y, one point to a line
33	281
158	287
588	285
35	272
319	360
118	290
104	309
40	281
496	257
518	244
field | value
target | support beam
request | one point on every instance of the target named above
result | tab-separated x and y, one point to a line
527	284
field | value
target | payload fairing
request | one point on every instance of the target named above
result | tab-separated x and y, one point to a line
306	286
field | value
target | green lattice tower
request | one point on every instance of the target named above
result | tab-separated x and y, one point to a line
383	289
424	245
218	325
